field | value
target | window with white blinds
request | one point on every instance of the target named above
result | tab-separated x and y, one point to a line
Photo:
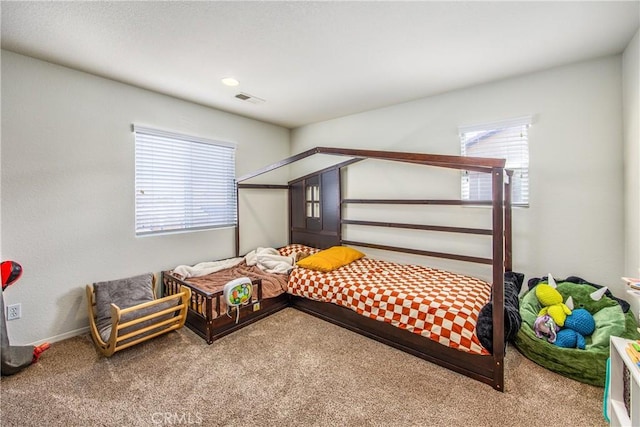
505	140
183	182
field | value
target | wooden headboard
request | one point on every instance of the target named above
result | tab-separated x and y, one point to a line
314	209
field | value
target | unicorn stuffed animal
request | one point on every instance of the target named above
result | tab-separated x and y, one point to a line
545	327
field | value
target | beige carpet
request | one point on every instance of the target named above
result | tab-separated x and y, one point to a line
288	369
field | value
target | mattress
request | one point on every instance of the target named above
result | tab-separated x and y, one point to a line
440	305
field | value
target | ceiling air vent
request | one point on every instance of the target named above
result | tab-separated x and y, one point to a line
250	98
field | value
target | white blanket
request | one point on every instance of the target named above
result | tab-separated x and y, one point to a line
270	260
205	268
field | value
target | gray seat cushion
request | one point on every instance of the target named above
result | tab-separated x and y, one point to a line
126	293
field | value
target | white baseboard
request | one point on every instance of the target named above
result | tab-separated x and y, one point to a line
64	336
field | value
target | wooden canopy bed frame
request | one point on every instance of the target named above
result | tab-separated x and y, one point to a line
326	231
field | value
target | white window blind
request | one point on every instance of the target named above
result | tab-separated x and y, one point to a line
504	140
182	182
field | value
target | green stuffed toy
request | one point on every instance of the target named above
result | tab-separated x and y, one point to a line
551	301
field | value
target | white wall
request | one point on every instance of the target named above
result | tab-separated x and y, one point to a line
574	225
68	188
631	111
67	177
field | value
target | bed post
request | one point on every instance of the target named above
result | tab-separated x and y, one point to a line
508	259
237	220
498	277
290	215
340	205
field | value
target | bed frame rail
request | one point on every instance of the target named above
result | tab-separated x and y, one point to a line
474	366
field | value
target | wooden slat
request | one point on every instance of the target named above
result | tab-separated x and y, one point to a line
479	164
134	322
455	162
481	231
318	232
149	304
460	167
457	257
444	202
279	164
264	186
147	337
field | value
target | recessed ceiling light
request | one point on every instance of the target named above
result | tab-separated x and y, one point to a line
230	81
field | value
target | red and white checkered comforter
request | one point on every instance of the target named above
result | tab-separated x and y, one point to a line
436	304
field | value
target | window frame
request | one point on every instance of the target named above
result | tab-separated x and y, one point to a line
312	201
519	182
189	181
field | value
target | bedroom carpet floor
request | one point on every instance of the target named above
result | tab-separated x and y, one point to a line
288	369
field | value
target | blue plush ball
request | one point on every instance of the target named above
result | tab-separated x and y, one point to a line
568	338
581	321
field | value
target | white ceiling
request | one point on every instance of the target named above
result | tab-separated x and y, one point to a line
313	61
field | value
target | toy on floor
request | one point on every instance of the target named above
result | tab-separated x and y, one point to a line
551	301
545	327
579	324
237	293
14	358
612	318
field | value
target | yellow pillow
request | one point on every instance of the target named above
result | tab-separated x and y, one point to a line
330	259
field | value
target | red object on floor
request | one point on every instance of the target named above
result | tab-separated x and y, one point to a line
37	351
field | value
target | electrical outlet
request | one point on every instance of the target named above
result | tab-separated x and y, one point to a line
14	311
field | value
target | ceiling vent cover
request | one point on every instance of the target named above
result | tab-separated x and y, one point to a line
250	98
